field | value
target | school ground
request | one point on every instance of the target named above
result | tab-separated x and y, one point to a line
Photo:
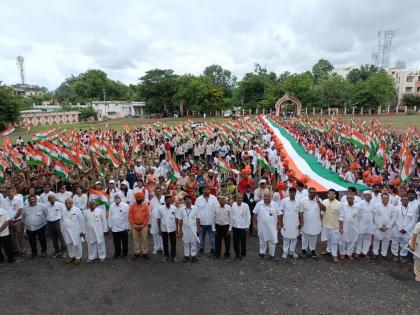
253	286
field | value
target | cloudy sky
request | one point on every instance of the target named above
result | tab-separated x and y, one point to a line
126	38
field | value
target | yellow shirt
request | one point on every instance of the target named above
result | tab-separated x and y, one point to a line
330	217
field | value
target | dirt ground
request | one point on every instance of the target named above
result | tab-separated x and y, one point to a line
253	286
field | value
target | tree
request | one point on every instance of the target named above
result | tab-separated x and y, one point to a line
322	69
9	107
335	91
303	87
377	90
158	87
410	100
362	73
221	78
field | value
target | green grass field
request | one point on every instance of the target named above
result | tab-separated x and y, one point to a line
399	122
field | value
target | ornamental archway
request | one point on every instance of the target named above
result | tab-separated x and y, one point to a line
288	98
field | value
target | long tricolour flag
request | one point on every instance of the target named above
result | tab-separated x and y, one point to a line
99	197
305	164
8	131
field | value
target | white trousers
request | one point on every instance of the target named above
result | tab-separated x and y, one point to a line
399	242
289	245
271	248
363	243
333	237
75	251
96	250
347	248
384	246
190	249
309	241
157	242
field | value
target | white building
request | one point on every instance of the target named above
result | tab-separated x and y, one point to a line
406	82
118	109
343	71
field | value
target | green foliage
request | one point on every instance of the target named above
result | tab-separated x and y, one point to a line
221	78
9	107
86	113
362	73
322	69
411	100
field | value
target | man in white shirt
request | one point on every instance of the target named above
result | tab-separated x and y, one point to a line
72	226
119	226
241	220
366	211
55	210
13	204
43	198
157	201
222	227
96	226
349	227
206	205
383	219
301	192
311	219
405	220
267	214
290	223
259	192
168	228
189	225
5	240
351	191
63	194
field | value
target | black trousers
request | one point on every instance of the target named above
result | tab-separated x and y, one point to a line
251	226
172	238
239	242
222	235
120	238
54	231
6	246
33	235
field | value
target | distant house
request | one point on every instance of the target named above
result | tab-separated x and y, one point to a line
118	109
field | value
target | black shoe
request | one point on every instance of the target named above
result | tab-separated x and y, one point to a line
262	256
194	259
56	254
123	256
237	257
32	256
116	256
186	259
313	254
200	253
146	256
43	254
135	256
303	253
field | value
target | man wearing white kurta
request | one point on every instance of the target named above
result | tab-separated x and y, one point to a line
330	225
366	211
311	220
349	227
189	224
241	220
95	227
157	201
289	223
406	219
267	214
206	205
72	225
119	225
383	220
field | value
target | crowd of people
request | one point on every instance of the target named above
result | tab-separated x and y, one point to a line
199	180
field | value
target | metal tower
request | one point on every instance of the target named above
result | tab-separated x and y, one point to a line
382	55
20	62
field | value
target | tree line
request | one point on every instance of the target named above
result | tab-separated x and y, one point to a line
217	89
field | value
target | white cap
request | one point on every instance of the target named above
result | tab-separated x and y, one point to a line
367	192
111	181
98	182
124	182
262	181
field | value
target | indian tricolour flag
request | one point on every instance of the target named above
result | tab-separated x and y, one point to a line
32	158
244	139
175	171
15	161
380	157
4	164
98	166
42	135
304	164
358	140
8	131
407	169
226	168
65	156
260	159
48	148
61	170
99	197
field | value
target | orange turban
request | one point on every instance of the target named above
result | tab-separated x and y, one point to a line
139	194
